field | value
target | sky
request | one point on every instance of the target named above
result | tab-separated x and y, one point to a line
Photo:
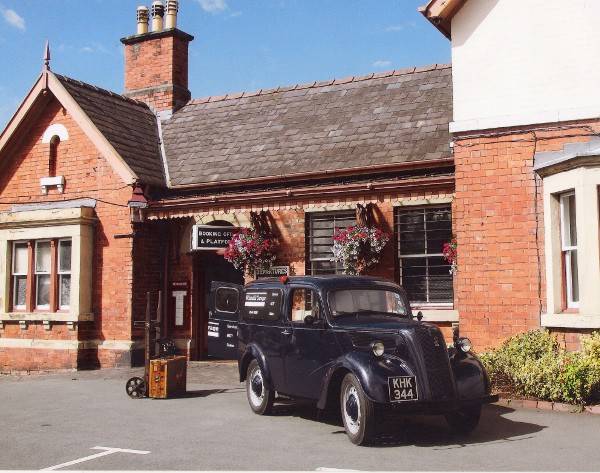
240	45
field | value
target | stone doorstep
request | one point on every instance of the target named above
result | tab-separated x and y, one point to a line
548	406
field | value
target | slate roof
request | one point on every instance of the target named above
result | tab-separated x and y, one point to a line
129	126
381	119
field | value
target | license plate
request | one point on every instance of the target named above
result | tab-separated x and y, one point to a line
403	388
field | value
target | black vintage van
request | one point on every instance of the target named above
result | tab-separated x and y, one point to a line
352	342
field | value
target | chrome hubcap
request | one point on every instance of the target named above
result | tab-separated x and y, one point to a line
352	409
257	389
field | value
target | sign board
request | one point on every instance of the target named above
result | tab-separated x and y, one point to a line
209	237
262	304
273	272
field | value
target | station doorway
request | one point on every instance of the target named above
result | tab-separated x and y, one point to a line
209	266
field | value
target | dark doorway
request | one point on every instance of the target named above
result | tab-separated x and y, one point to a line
209	267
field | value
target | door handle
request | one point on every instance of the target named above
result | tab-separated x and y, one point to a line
286	332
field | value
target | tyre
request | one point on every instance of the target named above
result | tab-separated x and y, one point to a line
358	411
259	396
464	421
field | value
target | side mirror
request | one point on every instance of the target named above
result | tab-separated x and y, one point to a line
309	320
419	316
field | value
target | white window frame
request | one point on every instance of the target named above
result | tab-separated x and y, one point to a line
60	273
14	274
567	247
37	273
425	255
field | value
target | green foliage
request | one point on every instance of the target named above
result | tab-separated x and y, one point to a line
533	364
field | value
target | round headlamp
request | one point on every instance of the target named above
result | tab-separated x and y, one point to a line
378	348
464	344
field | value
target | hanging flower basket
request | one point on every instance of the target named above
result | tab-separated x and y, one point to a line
450	255
251	251
358	248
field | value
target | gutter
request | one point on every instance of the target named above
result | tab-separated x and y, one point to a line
354	171
323	192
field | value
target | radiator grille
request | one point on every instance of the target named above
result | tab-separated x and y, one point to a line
435	355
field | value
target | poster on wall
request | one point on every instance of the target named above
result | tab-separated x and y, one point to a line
179	293
209	237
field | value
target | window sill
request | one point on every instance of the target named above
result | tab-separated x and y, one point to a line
570	320
46	316
437	314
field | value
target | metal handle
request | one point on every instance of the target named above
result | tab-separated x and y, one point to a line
286	332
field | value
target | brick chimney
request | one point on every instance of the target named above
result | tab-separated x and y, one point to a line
156	62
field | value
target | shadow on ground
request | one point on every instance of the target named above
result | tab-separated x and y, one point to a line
424	431
209	392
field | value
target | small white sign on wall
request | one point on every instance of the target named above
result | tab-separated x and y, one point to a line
179	305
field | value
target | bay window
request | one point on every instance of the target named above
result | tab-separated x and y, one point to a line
42	277
46	258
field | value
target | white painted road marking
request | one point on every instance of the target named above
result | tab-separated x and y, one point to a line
107	451
322	468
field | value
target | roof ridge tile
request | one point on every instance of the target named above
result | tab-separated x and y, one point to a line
317	84
100	90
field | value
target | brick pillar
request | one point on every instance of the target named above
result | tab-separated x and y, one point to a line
499	229
156	68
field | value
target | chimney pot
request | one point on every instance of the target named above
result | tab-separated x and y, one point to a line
158	13
142	20
171	9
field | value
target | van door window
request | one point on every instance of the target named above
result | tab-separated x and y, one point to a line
227	299
304	302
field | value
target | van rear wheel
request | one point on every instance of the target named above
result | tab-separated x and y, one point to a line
259	396
358	411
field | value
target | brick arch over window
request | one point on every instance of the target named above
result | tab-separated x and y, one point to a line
54	135
53	130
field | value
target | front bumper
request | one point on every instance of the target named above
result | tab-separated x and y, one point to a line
437	407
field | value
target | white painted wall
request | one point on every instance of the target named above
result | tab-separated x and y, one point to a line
518	62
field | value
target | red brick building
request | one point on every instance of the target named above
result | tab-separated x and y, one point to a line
102	197
526	115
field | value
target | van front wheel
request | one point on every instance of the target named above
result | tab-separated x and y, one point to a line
358	411
259	396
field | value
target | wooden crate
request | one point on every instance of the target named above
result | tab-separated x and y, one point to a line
168	377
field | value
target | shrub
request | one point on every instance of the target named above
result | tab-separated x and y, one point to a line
533	364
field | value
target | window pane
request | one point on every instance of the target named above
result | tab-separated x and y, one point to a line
43	290
20	290
65	291
321	229
64	256
440	280
20	258
414	278
572	220
42	257
574	278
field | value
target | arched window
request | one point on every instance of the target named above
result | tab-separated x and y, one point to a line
52	160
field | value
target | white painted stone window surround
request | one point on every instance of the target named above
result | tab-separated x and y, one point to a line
66	224
563	308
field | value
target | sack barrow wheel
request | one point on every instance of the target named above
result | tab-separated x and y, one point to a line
135	388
